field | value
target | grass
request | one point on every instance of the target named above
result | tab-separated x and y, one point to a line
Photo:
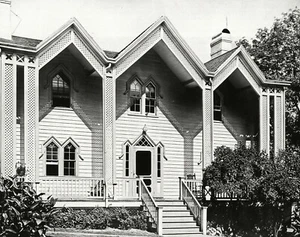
69	232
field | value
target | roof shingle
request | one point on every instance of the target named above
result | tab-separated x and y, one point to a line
215	63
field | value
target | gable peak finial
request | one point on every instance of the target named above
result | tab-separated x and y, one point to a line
145	129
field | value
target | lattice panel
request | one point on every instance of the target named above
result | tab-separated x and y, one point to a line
279	136
9	120
143	142
182	58
31	125
54	49
264	127
207	127
137	52
88	54
108	125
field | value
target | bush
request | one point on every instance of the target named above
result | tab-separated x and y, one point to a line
23	212
99	218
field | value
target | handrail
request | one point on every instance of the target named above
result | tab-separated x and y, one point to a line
199	212
154	210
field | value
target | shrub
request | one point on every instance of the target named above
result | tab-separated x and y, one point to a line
99	218
23	212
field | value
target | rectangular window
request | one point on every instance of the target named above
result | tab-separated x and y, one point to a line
217	107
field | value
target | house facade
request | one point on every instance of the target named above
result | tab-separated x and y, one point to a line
83	119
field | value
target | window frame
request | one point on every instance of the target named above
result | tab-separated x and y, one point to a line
77	152
61	69
143	97
61	157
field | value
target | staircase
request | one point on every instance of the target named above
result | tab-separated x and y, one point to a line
177	219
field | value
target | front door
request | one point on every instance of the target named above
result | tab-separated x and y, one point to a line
143	167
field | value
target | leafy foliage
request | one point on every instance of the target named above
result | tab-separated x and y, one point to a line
23	212
268	185
99	218
277	53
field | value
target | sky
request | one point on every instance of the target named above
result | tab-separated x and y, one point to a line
115	23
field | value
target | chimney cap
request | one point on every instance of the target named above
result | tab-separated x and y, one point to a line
226	31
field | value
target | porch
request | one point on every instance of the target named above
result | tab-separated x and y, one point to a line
162	213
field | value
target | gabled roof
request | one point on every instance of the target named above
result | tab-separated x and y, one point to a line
218	64
215	63
20	42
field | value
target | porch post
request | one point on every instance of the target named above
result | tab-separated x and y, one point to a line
207	137
31	117
8	113
108	133
264	118
279	120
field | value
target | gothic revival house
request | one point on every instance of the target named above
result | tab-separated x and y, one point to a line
88	122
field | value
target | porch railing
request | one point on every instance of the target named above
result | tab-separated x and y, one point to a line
72	187
153	209
127	187
199	212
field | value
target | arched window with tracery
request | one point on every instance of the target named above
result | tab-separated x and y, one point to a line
52	159
60	91
69	159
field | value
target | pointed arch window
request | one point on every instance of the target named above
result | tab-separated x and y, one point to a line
60	91
135	96
142	96
70	159
52	159
150	98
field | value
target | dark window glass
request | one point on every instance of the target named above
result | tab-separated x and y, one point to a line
217	107
60	91
159	162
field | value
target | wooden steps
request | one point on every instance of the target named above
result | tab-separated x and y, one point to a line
177	219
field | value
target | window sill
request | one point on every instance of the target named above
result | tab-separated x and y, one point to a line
142	115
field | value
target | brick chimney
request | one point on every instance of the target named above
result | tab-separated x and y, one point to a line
221	43
5	21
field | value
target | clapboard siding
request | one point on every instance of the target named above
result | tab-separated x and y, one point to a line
222	137
86	106
177	124
59	120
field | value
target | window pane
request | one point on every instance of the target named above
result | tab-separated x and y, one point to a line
150	91
52	153
52	170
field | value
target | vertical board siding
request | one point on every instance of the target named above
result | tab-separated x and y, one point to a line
86	100
62	124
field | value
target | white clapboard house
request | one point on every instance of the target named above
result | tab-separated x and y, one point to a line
90	124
